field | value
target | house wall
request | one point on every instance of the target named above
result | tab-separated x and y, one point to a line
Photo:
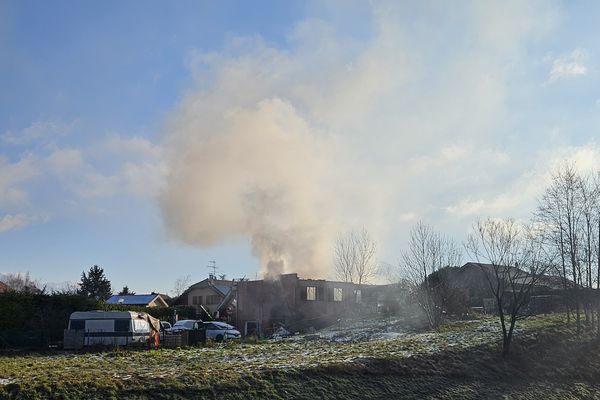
265	302
202	295
287	301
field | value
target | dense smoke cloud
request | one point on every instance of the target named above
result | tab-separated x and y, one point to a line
256	172
287	148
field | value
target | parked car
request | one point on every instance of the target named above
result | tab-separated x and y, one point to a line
219	331
165	329
166	326
185	325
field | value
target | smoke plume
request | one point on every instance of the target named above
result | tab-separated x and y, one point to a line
256	172
289	147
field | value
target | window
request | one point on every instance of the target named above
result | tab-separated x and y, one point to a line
141	326
199	299
212	299
311	293
78	324
252	328
194	299
122	325
338	294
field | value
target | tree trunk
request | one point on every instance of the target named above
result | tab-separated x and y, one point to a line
564	278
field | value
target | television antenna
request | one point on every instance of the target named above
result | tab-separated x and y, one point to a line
213	265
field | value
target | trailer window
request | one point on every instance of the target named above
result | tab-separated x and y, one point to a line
77	325
140	326
311	293
122	325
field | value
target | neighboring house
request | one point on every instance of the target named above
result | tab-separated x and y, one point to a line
470	280
140	300
214	295
299	304
3	287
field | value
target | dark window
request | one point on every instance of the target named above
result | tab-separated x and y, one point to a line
252	328
213	299
320	293
194	299
199	299
78	325
122	325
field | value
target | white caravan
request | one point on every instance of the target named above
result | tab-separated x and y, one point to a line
118	328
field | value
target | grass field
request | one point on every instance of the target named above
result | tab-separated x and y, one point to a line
459	361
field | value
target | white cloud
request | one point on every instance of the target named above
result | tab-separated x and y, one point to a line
46	178
134	168
570	66
129	148
17	221
12	176
519	195
45	131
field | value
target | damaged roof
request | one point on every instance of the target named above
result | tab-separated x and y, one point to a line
220	285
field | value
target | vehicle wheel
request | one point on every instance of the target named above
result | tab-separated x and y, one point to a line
219	338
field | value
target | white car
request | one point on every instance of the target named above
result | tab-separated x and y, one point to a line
165	326
219	331
165	329
185	325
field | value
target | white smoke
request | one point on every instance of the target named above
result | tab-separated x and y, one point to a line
256	172
287	148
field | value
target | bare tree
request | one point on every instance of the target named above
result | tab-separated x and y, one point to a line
181	284
596	242
589	206
20	282
355	257
560	211
428	251
512	259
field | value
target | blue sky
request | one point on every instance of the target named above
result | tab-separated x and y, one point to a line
150	138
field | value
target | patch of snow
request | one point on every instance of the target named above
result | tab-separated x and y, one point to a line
388	335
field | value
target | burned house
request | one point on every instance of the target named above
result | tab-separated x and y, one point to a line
299	304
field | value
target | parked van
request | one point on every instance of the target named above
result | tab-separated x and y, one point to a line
118	328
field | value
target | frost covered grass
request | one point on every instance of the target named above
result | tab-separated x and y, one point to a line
457	361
